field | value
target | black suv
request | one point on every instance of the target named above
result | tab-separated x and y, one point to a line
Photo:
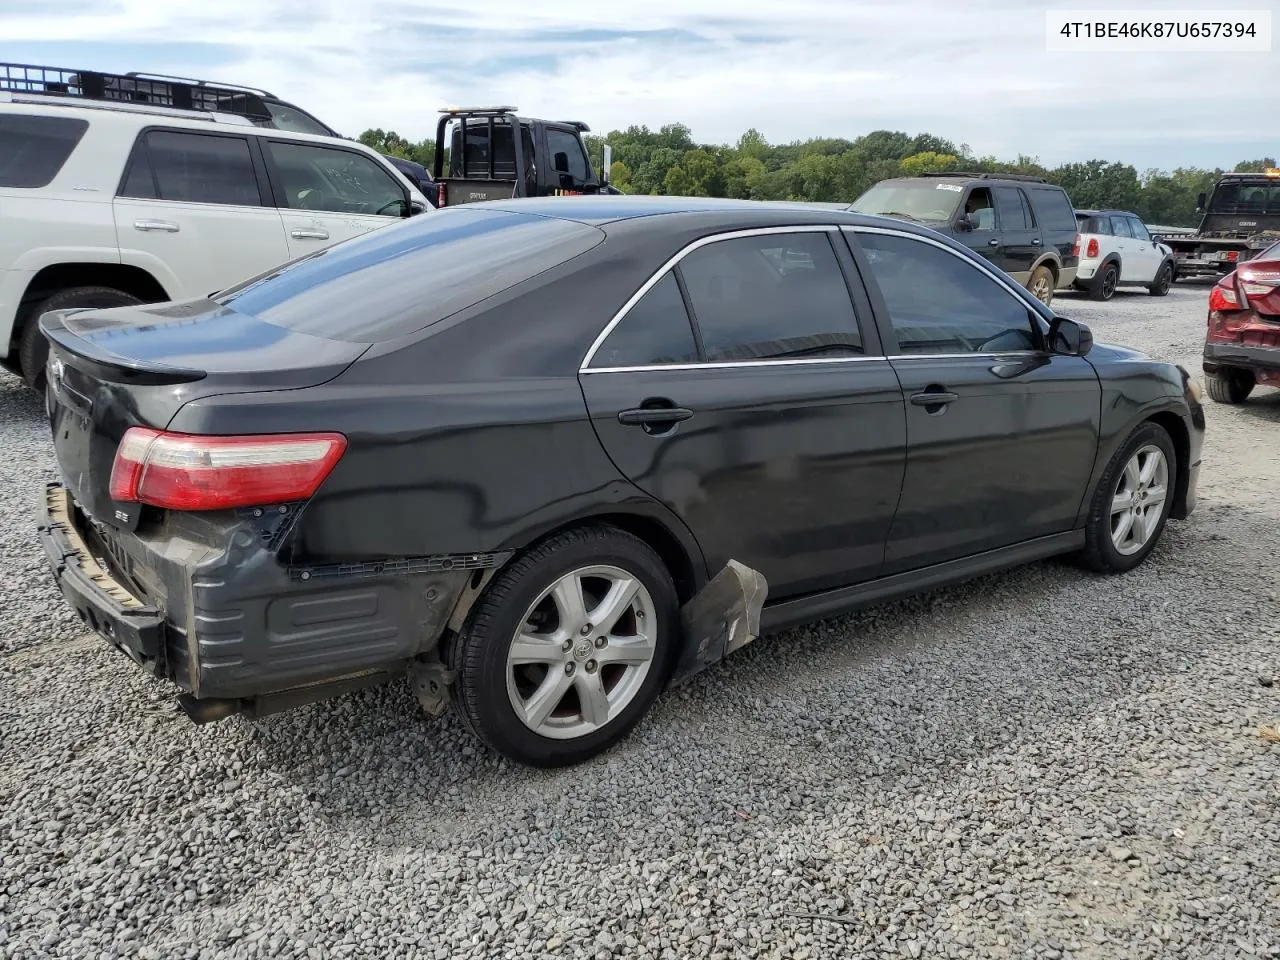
1024	225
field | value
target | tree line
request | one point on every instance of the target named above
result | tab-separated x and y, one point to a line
832	169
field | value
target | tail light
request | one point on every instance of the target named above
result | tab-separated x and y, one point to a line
1075	247
1092	250
1259	278
1233	255
186	472
1225	297
439	194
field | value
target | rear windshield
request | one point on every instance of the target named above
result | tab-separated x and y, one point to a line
1092	224
1053	209
33	149
407	276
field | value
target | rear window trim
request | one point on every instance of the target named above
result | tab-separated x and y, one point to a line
78	123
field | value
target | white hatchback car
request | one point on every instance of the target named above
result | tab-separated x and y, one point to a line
106	204
1116	250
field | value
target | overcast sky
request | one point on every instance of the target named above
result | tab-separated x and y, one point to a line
974	71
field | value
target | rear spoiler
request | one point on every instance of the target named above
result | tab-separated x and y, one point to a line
104	364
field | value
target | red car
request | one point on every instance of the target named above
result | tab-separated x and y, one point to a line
1242	344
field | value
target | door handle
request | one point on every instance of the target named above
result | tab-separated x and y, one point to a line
309	234
993	242
934	399
166	226
654	415
1035	242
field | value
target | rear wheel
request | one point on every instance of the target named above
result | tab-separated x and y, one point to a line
1104	287
33	349
568	647
1132	501
1041	284
1163	281
1229	386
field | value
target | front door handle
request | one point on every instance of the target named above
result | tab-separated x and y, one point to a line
934	399
654	415
993	242
166	226
309	234
1035	242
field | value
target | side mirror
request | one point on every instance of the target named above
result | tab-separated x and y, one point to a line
417	206
1069	337
606	165
967	221
1199	202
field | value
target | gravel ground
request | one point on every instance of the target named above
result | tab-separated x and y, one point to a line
1043	763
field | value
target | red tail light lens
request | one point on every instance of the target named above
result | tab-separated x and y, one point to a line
439	194
1075	247
185	472
1224	298
1233	255
1092	250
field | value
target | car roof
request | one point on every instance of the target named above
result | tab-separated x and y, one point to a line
599	210
1106	213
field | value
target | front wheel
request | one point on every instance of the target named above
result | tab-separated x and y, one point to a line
1132	501
567	648
1163	281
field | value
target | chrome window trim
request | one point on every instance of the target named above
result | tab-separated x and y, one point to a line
667	267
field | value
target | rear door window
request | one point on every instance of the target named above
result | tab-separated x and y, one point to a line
1053	209
1013	216
1120	227
34	149
655	331
192	168
771	297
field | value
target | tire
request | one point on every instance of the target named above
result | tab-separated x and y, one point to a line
1164	280
33	349
1041	284
488	687
1104	285
1229	386
1104	551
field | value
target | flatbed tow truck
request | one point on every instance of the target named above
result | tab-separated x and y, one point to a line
484	164
1239	219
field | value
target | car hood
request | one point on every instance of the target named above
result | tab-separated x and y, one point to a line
1115	353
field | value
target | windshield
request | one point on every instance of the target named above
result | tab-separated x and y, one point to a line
1246	198
933	201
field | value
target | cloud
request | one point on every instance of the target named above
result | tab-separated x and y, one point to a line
976	73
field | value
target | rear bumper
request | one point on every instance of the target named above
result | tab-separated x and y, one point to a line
111	609
1262	362
227	622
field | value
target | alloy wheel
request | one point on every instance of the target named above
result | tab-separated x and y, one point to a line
1138	501
582	652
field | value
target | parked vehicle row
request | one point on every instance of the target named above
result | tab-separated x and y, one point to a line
549	457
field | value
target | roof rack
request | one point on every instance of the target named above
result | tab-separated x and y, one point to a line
986	176
134	89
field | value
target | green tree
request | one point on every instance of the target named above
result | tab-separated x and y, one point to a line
1256	166
928	162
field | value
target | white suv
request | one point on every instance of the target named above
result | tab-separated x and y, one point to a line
106	204
1116	250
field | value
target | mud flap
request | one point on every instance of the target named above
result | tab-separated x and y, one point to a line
722	617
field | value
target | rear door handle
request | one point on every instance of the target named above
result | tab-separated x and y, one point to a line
993	242
1035	242
309	234
166	226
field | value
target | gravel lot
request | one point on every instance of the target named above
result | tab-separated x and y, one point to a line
1043	763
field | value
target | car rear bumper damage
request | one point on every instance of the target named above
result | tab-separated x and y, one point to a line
1262	362
238	631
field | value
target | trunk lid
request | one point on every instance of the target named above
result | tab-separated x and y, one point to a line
137	366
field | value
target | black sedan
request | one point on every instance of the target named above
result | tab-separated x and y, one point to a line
548	456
